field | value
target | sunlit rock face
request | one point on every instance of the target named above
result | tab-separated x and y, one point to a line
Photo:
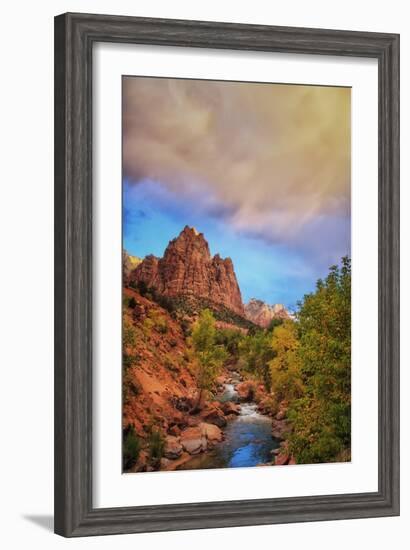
187	268
262	314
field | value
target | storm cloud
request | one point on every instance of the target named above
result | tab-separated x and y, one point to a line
272	160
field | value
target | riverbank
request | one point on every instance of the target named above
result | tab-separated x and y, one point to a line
247	437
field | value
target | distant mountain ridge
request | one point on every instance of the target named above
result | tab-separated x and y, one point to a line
129	262
187	269
262	314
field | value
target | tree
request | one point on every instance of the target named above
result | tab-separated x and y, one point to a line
321	417
230	340
285	367
156	446
210	356
256	352
131	447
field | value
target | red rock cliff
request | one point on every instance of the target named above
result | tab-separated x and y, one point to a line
187	268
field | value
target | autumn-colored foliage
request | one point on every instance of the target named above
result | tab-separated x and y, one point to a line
321	416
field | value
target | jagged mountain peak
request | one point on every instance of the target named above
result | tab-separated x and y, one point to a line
262	314
187	268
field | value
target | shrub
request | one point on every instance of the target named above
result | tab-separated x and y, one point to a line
132	302
255	352
130	386
128	333
230	339
131	447
147	326
275	323
156	446
186	327
161	325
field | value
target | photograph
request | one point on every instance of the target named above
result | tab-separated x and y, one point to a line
236	301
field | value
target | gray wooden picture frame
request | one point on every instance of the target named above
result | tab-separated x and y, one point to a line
75	35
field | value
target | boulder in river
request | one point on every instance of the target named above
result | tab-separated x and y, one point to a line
193	440
212	433
279	428
173	447
214	415
246	390
231	408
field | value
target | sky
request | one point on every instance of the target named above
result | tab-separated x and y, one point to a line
263	170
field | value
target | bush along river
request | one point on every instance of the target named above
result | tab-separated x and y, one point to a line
248	439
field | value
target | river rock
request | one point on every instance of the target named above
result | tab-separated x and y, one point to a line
220	380
230	408
193	440
211	432
193	421
279	428
173	447
214	415
246	390
265	405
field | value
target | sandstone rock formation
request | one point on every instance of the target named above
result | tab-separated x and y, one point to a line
262	314
129	263
187	269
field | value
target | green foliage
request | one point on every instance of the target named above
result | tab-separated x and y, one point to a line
158	322
255	352
186	327
230	340
128	333
130	386
127	361
321	417
131	447
209	354
275	323
156	444
183	307
162	326
147	326
285	367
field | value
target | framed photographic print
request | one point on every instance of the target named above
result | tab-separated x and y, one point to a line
226	274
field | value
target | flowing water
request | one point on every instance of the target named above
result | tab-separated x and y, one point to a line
248	439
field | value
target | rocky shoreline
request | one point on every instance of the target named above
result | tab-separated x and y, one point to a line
206	429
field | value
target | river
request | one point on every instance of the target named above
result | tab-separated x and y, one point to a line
247	440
